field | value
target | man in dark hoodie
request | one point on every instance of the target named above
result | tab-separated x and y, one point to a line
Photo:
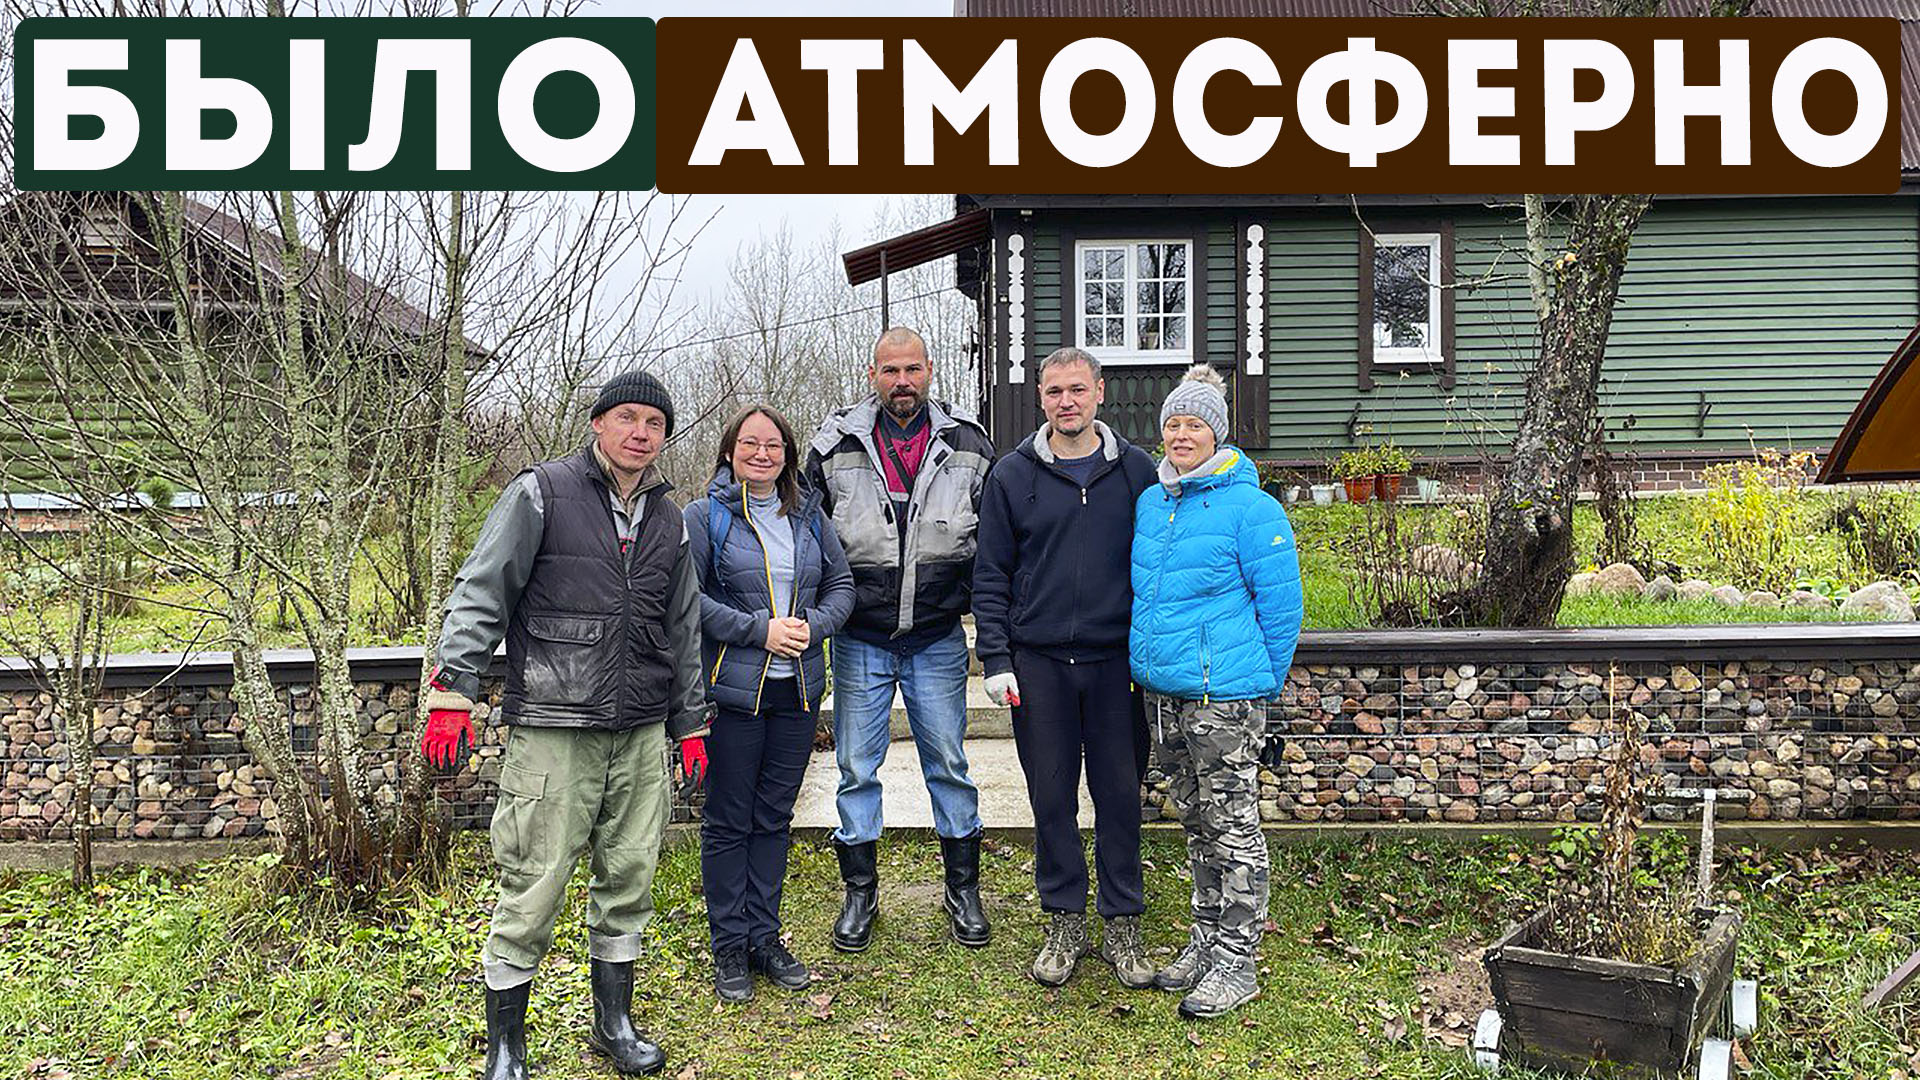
1051	603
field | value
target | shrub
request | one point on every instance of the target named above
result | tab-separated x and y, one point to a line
1751	521
1392	460
1612	479
1355	463
1877	537
1393	578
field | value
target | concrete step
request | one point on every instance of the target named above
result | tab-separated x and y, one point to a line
904	804
985	720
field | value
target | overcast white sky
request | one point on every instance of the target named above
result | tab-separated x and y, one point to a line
738	218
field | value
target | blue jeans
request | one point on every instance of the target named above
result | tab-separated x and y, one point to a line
934	683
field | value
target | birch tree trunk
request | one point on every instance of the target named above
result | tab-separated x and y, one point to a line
321	436
443	493
235	566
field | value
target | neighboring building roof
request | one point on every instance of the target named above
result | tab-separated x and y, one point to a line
252	249
1906	11
1881	441
967	229
262	246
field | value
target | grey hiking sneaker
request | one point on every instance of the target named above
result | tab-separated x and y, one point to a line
1060	953
1187	969
1227	985
1121	947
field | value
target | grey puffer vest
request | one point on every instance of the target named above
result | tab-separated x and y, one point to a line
587	643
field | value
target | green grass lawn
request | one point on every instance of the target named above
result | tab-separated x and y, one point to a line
1668	526
199	974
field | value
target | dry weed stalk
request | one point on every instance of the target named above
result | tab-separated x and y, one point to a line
1622	809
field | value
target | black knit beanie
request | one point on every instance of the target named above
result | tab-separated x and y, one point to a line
634	388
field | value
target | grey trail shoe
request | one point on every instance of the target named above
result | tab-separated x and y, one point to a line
1187	969
1227	985
1060	953
1121	947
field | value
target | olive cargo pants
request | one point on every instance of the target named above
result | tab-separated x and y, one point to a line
564	791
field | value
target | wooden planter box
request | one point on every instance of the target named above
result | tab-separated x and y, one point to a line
1566	1012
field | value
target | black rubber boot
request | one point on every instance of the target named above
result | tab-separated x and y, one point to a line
853	931
964	913
613	1033
507	1033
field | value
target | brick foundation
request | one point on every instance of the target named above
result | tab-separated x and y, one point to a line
1651	474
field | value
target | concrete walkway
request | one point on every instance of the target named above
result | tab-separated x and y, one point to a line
992	763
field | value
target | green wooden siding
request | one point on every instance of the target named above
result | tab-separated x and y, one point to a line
1781	311
1313	309
1046	321
37	443
1225	295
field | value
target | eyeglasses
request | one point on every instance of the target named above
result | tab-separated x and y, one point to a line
754	446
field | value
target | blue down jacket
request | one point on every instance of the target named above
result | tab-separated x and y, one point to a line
1216	587
734	604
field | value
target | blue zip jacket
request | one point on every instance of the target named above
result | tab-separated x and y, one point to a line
1216	586
735	605
1051	554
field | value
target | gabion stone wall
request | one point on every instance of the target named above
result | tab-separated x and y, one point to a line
1526	741
1816	723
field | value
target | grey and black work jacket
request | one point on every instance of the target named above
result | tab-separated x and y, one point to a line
597	599
916	581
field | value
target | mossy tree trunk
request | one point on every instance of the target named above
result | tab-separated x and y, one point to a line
1530	509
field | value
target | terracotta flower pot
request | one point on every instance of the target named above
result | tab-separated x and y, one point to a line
1388	485
1359	488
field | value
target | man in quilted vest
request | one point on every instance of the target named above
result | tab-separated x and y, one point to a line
583	568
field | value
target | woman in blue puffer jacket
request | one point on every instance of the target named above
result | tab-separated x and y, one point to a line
775	585
1216	614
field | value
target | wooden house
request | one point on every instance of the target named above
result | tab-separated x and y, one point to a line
1344	321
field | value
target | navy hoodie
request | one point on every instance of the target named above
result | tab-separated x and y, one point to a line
1051	573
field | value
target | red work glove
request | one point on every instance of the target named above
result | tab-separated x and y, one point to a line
693	760
449	725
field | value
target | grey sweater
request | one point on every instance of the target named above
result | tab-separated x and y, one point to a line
776	539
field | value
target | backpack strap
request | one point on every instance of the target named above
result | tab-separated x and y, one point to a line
719	521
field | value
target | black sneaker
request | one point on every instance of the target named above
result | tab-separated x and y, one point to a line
731	978
770	958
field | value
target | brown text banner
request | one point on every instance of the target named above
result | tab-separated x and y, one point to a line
1754	105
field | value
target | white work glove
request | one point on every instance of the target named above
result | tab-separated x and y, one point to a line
1004	689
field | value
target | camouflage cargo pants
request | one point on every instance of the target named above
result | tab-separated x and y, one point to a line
1211	755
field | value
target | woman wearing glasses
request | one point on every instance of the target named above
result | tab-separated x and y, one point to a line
775	585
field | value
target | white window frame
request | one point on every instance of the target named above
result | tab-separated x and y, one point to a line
1430	354
1130	353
